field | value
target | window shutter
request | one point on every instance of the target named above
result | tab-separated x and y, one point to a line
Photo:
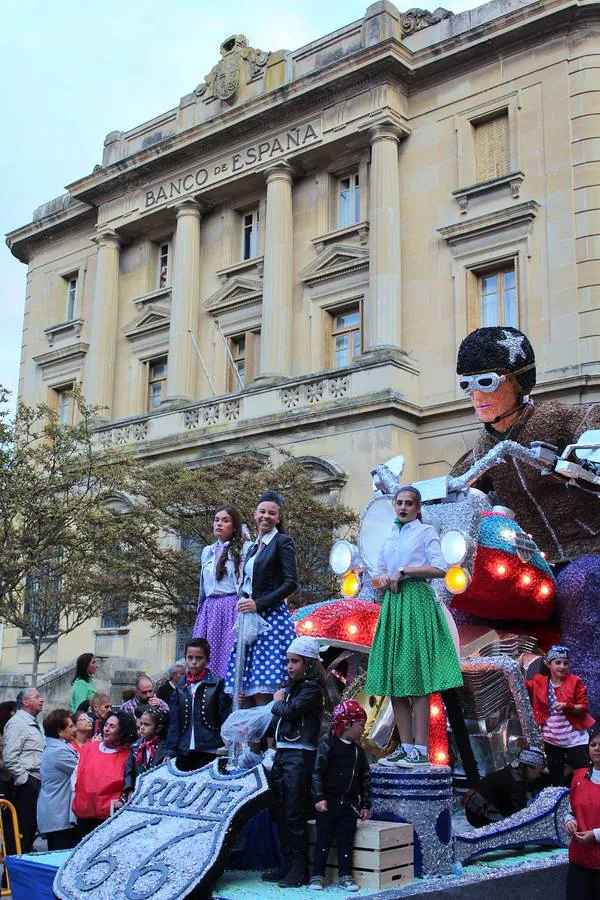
492	147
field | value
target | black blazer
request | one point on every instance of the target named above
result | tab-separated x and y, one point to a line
275	575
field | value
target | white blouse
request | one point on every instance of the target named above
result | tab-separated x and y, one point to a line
230	582
249	567
415	544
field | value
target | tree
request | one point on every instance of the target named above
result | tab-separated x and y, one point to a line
182	501
67	550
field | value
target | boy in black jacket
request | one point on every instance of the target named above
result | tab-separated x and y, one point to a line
341	791
197	709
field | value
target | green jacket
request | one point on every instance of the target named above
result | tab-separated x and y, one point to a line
81	690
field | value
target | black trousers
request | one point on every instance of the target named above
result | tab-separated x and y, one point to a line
582	883
195	759
290	783
338	823
65	839
558	757
86	826
25	801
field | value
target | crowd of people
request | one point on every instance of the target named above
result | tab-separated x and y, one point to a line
70	773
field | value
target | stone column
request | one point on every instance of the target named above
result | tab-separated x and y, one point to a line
103	332
182	371
382	316
276	328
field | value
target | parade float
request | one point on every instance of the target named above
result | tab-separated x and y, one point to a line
174	837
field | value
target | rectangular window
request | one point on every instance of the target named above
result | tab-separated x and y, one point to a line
250	234
237	348
348	201
71	292
345	335
498	301
42	596
157	382
245	352
117	616
164	276
64	404
492	147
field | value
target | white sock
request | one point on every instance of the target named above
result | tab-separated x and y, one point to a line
421	748
407	747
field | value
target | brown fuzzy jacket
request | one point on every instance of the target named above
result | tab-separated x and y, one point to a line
563	521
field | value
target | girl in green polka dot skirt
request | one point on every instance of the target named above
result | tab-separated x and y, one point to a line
413	654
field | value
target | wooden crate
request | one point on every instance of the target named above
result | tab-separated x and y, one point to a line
383	854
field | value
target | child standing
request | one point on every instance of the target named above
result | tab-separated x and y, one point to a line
197	709
413	654
341	791
560	708
149	750
297	713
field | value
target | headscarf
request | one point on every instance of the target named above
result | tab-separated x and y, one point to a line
557	651
305	646
530	756
346	714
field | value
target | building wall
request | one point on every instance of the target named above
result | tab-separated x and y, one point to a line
401	108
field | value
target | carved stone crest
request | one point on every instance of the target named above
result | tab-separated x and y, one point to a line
415	19
224	79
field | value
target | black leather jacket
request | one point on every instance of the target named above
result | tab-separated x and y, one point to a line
353	788
275	576
298	717
211	706
133	769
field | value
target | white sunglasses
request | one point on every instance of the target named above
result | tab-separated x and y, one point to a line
488	382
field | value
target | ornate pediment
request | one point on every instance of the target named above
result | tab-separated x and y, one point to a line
237	292
152	318
335	261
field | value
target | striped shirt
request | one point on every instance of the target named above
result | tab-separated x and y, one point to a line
557	729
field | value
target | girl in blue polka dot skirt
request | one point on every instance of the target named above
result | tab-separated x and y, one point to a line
269	577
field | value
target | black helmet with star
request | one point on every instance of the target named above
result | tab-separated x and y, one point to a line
500	349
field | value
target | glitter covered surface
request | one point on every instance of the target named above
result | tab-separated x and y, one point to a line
503	585
542	822
579	605
422	797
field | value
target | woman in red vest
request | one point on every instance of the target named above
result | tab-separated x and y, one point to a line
583	879
101	771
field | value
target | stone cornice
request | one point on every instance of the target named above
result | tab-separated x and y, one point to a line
73	351
510	216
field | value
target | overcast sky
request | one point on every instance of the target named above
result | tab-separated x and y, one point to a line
72	71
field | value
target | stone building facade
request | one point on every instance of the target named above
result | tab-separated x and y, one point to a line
334	219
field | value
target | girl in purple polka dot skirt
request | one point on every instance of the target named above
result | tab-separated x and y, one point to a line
220	580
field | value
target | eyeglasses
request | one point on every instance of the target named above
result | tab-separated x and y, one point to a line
488	382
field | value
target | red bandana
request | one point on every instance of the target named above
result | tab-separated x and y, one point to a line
151	746
194	679
346	714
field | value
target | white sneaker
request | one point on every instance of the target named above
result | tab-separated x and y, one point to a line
347	883
317	883
414	759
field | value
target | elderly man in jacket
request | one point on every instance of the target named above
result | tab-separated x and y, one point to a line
24	743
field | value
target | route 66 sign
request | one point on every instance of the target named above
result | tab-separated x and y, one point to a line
168	841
